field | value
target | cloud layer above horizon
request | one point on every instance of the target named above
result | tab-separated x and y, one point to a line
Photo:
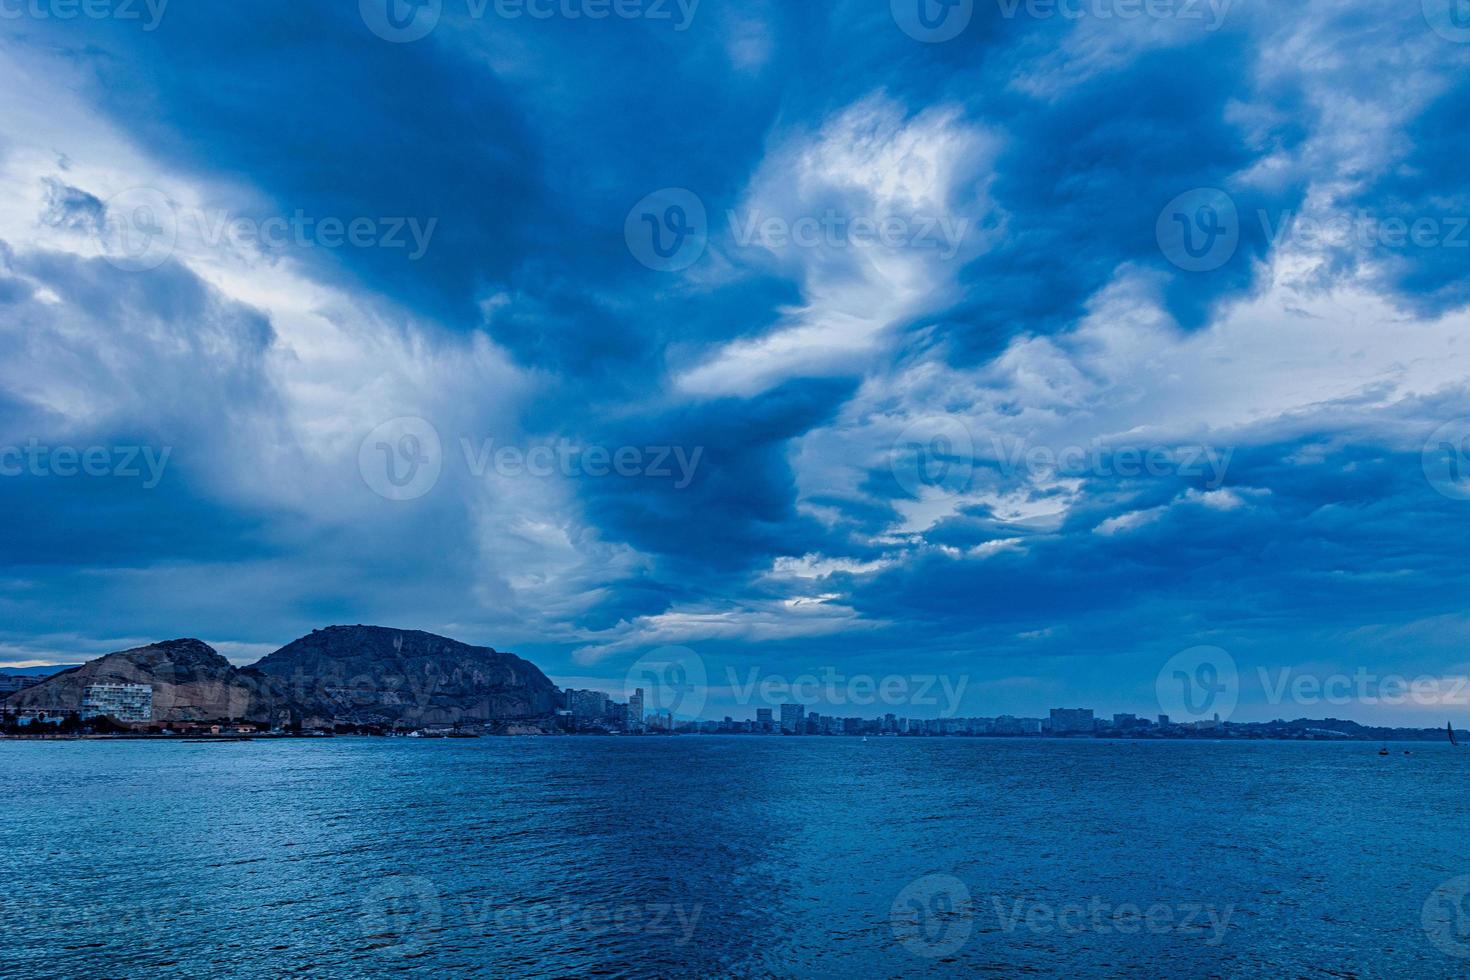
1030	342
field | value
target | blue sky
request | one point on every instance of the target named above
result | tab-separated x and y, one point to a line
1019	343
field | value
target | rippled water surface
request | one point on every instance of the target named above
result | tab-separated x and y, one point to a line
733	856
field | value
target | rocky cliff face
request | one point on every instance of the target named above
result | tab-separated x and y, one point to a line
190	681
375	675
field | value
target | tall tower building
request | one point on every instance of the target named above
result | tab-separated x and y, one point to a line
635	710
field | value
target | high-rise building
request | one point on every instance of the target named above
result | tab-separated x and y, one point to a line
793	719
1163	721
1070	720
587	705
763	719
635	710
123	702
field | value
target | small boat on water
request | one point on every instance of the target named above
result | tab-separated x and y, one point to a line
1449	726
1383	751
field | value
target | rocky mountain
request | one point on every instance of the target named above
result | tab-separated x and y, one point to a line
190	681
376	675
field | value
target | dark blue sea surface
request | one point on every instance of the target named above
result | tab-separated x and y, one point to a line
713	856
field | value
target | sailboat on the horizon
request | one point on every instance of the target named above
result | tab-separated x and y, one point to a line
1450	727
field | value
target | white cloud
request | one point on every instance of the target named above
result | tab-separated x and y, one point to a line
1131	521
815	566
755	623
921	177
273	392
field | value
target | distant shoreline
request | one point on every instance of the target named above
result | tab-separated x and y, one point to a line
270	737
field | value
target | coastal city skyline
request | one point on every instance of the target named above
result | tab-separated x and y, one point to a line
588	710
382	681
119	708
1213	685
